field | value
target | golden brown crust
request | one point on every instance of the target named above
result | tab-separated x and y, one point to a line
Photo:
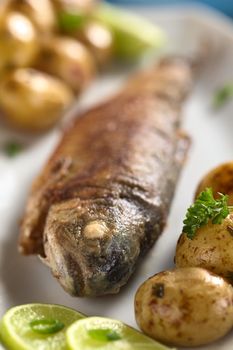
128	149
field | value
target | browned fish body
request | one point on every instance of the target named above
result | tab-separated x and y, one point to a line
103	198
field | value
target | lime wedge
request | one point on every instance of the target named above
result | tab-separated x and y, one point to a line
133	34
37	327
106	334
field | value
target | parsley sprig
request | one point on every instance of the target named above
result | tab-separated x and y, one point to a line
204	209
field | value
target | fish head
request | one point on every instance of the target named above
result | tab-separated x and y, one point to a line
92	246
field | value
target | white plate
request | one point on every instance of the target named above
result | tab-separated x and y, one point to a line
25	279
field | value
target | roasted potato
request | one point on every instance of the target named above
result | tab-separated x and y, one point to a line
18	41
31	100
99	39
211	248
40	12
185	307
220	180
69	60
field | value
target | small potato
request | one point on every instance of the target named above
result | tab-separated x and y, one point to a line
211	248
69	60
31	100
18	41
220	180
185	307
74	6
40	12
99	39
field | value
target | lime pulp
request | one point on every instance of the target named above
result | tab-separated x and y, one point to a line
133	35
107	334
17	333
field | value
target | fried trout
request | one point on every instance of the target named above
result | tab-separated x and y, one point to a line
104	196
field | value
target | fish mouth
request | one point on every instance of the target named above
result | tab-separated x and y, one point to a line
91	246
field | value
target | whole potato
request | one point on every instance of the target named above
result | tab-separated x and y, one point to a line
69	60
31	100
211	248
220	179
99	39
18	41
185	307
74	6
40	12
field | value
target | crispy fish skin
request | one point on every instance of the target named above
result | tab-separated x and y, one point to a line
103	198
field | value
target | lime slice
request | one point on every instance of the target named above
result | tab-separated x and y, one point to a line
106	334
133	34
37	327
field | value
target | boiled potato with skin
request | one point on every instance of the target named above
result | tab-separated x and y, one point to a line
220	179
74	6
69	60
40	12
18	41
99	39
185	307
32	100
211	248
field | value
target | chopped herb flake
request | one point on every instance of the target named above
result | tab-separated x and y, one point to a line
223	95
12	148
46	326
104	334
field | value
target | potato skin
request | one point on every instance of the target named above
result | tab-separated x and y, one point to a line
173	306
211	248
220	179
99	40
41	13
18	40
74	6
68	60
31	100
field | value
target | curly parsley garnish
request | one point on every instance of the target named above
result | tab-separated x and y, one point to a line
204	209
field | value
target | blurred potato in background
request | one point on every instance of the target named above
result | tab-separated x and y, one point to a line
99	39
69	60
18	40
74	5
69	40
40	12
32	100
